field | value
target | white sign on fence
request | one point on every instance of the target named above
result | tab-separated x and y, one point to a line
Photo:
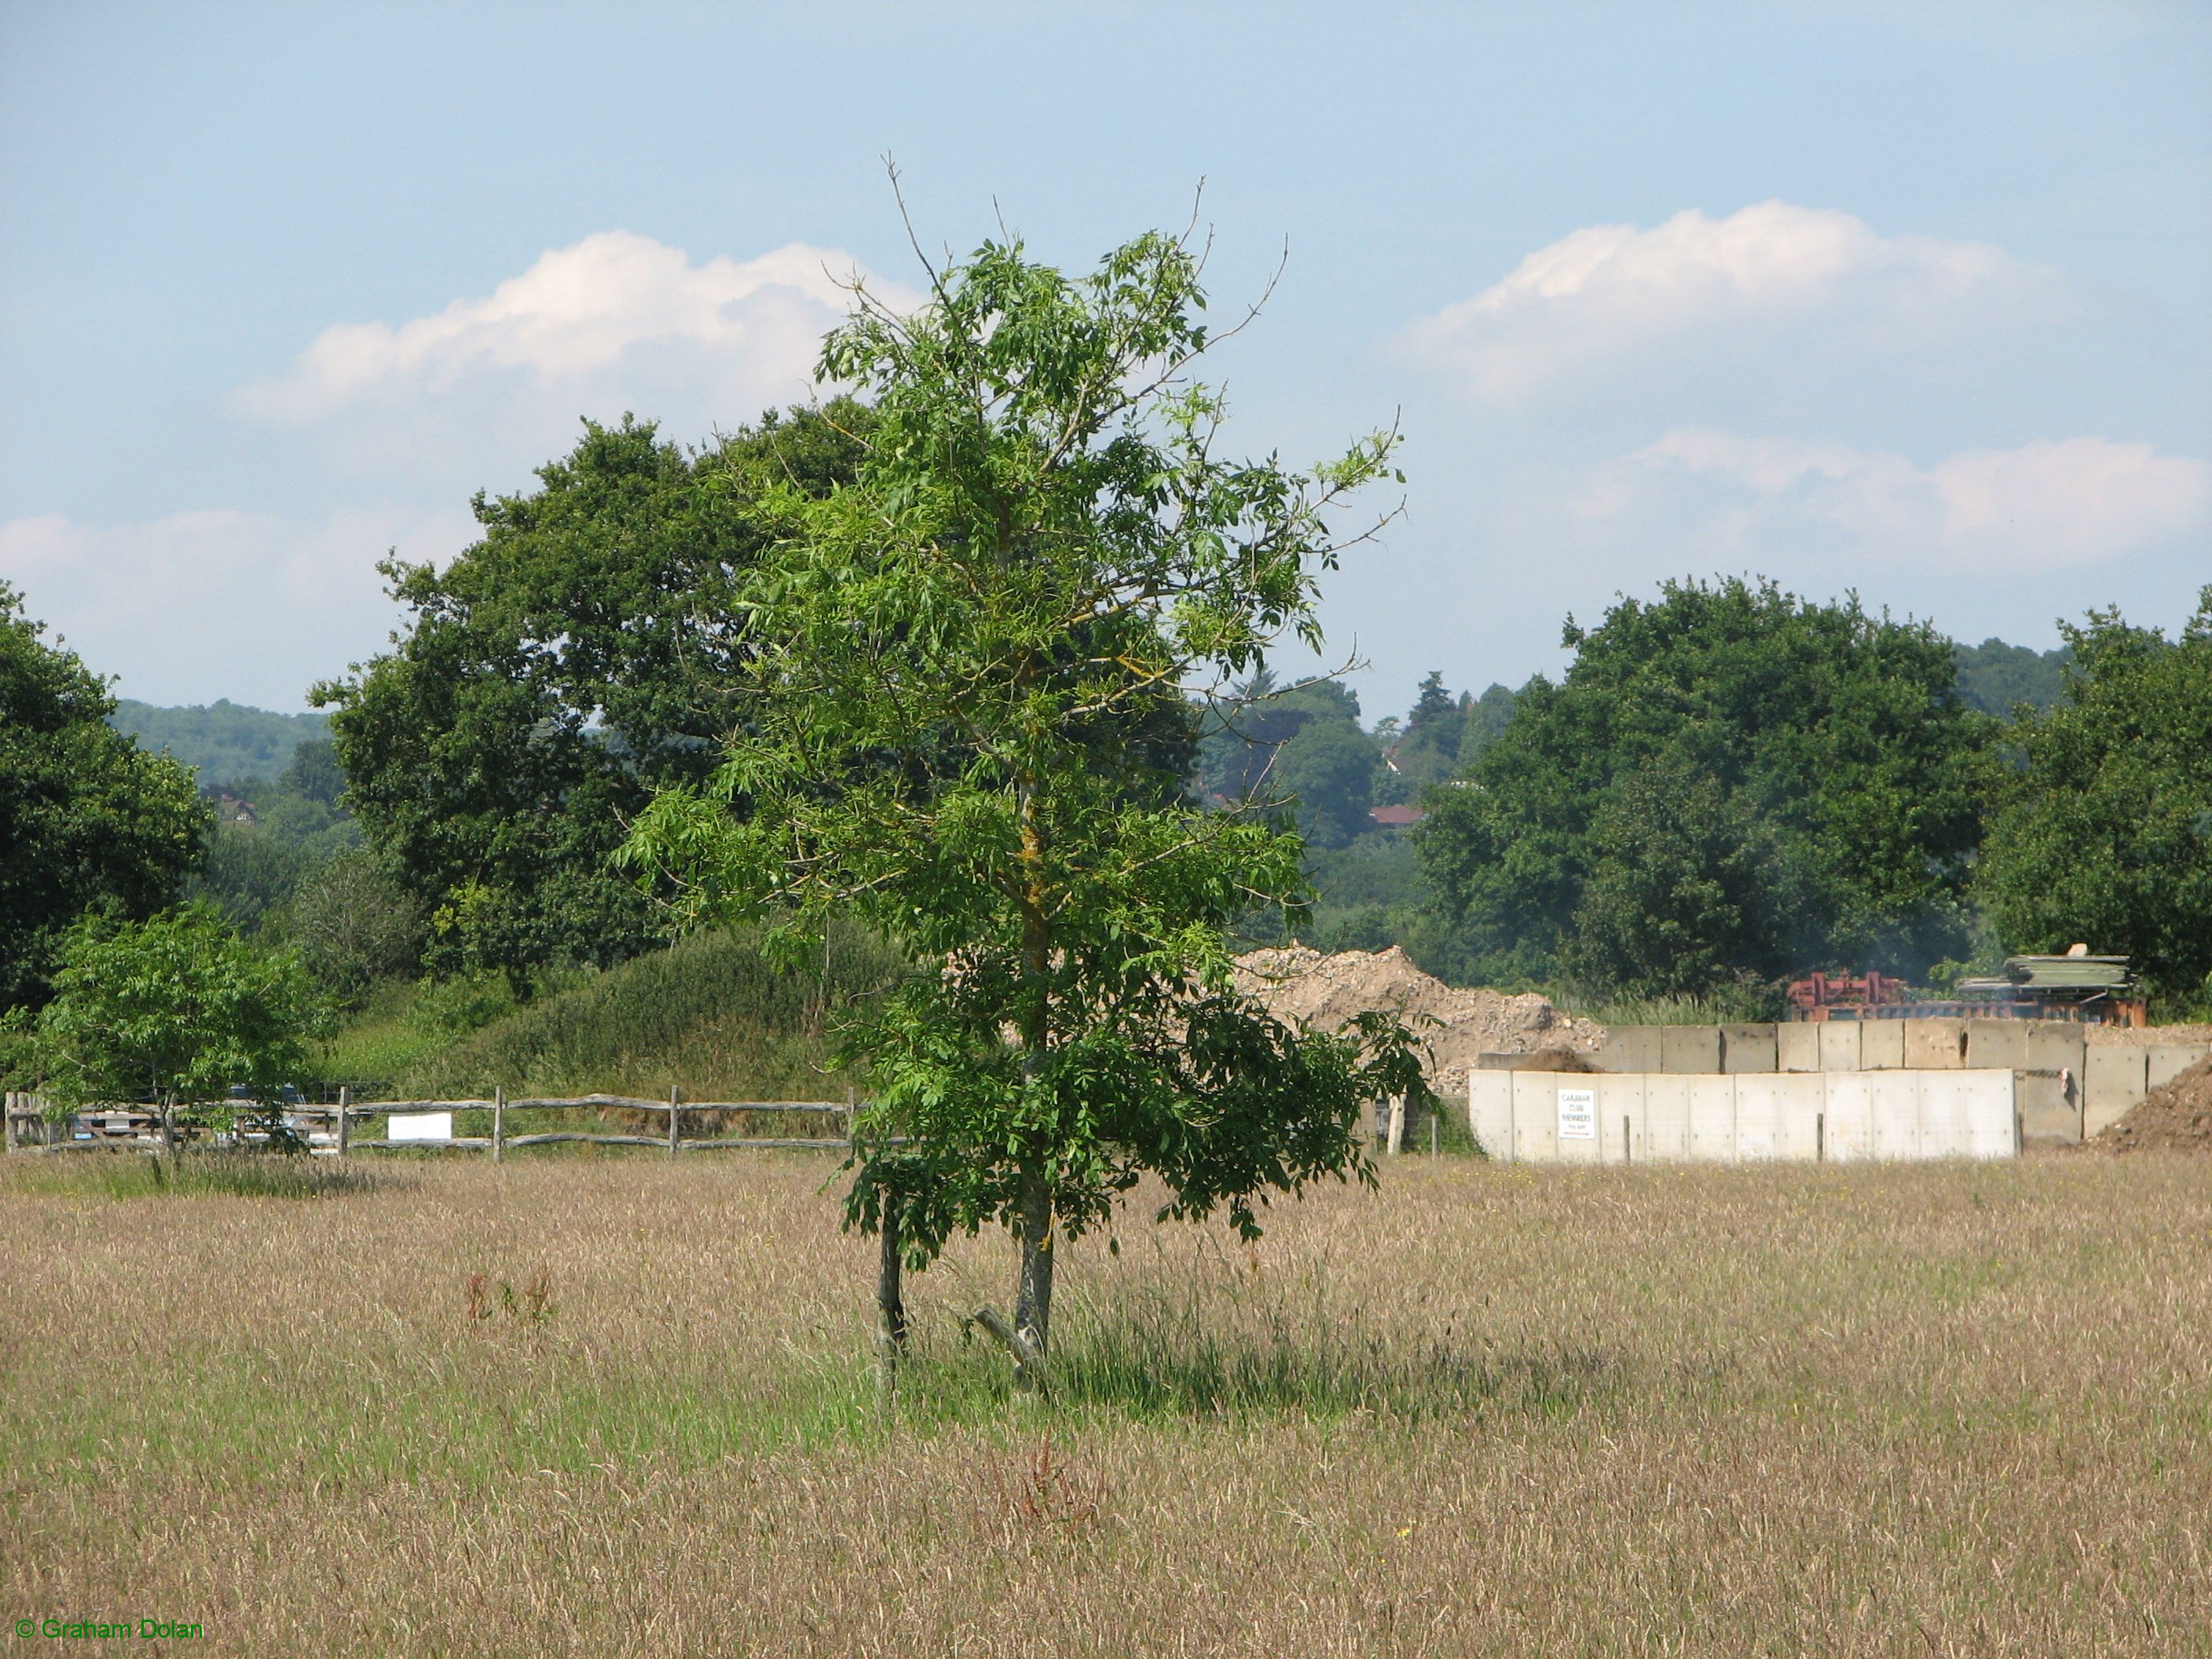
422	1126
1579	1114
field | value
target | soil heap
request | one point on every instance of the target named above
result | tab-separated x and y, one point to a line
2176	1117
1299	984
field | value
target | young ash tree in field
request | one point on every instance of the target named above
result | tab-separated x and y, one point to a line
965	661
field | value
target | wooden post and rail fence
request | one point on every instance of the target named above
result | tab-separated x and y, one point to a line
30	1128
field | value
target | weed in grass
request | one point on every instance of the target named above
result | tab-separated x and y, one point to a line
531	1306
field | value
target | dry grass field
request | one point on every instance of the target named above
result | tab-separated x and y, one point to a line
1902	1411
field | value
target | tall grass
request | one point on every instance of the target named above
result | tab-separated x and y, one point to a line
1851	1410
1747	1004
188	1173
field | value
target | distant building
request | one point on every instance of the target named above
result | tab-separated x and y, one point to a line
1395	818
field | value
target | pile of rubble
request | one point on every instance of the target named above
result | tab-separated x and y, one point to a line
1300	984
2174	1117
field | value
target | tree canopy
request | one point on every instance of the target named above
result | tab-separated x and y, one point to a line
89	821
179	1008
1729	780
2104	834
1042	550
582	655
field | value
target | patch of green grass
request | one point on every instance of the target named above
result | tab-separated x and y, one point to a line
185	1174
1749	1004
710	1016
383	1040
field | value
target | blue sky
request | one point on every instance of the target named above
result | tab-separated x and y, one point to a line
1911	301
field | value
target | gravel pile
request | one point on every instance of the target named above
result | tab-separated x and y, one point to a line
1300	984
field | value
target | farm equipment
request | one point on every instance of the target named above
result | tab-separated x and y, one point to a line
2093	990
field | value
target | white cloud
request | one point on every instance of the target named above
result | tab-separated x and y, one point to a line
218	603
573	317
2073	501
1769	277
476	395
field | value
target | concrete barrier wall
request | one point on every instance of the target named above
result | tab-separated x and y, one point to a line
1881	1045
1748	1048
1557	1117
1932	1045
2114	1080
1797	1047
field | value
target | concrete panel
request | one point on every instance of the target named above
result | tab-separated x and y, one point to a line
1996	1044
1620	1116
2168	1061
1712	1119
1490	1112
1796	1046
2056	1045
1536	1117
1935	1045
1897	1113
1777	1115
1748	1049
1840	1045
2114	1081
1967	1114
1690	1049
1881	1045
2050	1107
1631	1049
1847	1115
1666	1129
1993	1114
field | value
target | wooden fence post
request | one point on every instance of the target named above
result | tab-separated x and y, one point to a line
345	1105
675	1098
1397	1125
498	1123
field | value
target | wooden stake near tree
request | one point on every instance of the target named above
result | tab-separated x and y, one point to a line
969	719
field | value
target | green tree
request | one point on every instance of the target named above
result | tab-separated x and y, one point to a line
1681	879
179	1008
89	821
1327	771
355	924
1042	549
1839	734
2104	835
578	656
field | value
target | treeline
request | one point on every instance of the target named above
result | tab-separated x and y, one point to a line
1729	784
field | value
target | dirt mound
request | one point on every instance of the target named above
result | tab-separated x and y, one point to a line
2138	1036
1301	984
2176	1117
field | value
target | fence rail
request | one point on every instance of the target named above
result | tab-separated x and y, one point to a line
30	1129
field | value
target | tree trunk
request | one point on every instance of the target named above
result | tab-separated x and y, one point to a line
890	1304
1033	1295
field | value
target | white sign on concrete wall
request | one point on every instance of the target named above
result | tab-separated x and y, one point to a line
422	1126
1579	1114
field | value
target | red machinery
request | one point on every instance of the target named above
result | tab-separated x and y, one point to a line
1843	996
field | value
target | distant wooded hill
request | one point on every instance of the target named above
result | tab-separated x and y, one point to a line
226	742
1995	677
229	743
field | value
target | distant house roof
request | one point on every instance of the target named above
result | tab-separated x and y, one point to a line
1395	818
